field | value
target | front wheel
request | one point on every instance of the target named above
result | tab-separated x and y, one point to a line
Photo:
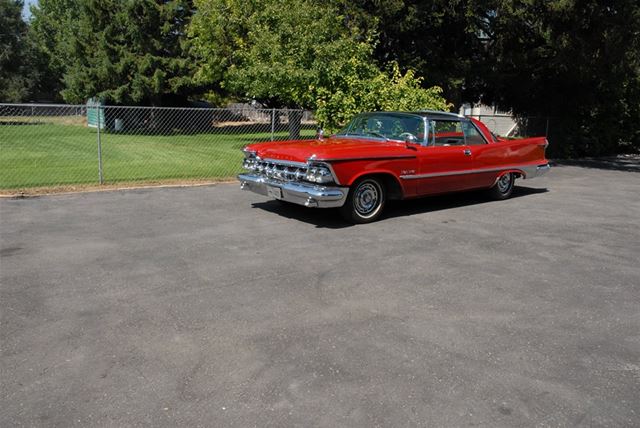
365	201
503	187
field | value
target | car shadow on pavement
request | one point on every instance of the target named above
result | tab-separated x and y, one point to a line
331	219
320	217
451	200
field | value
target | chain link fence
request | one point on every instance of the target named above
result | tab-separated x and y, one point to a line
46	145
68	145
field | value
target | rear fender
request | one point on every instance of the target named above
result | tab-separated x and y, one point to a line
518	173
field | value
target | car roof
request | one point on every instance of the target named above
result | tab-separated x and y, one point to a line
442	115
431	114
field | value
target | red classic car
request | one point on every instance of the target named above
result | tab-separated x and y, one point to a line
391	155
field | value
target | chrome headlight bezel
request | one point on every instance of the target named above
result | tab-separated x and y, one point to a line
315	172
250	161
319	173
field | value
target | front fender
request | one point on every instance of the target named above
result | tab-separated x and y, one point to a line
348	172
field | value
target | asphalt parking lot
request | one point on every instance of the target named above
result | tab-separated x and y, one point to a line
209	306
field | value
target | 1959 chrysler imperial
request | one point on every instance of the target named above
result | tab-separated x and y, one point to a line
391	155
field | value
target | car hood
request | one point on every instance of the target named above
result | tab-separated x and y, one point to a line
332	148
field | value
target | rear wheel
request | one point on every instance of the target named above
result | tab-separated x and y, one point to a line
365	201
503	187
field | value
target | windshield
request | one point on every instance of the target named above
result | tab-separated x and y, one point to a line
387	126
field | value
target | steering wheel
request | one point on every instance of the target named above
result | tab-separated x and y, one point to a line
408	136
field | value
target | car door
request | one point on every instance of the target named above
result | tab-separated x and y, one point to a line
485	157
444	160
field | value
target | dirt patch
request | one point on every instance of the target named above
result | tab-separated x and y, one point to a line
56	190
77	120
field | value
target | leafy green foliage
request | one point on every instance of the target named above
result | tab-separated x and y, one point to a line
442	40
300	54
16	76
52	31
575	61
128	52
390	91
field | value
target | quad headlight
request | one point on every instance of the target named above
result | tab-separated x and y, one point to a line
250	161
318	173
250	164
314	172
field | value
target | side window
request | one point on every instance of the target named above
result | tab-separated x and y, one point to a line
472	135
445	133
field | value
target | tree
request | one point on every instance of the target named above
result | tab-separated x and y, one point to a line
15	83
380	90
575	61
126	52
299	54
441	40
53	28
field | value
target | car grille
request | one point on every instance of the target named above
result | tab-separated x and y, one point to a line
280	170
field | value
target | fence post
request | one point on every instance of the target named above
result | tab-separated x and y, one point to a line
100	176
273	122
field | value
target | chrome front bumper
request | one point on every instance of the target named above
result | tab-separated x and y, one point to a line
307	194
536	171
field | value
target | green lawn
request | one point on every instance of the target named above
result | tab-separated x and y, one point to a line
35	155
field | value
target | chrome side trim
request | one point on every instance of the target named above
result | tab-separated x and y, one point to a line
367	158
438	174
306	194
447	113
529	171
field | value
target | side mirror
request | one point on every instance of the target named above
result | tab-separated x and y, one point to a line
410	140
320	133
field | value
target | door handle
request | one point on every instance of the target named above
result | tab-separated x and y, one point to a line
467	152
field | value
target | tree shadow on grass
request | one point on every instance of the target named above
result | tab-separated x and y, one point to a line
177	127
331	219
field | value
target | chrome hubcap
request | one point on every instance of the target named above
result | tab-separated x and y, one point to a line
366	198
504	183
